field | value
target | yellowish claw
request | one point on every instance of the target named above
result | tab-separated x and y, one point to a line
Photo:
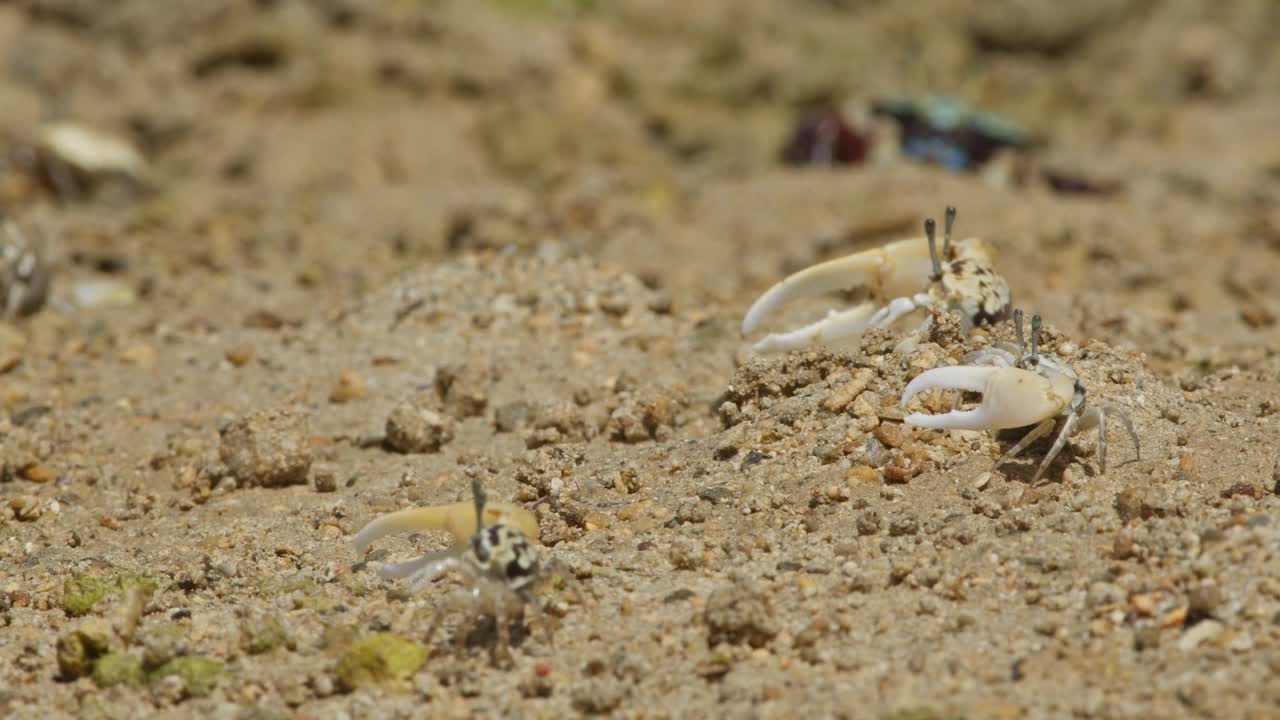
457	519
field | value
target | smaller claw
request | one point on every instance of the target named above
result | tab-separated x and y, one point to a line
836	325
423	570
1011	398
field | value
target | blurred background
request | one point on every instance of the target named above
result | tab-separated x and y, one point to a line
280	154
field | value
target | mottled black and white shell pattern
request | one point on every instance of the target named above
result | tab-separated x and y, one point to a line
24	277
504	554
971	285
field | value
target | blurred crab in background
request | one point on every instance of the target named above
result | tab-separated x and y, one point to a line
24	275
937	130
951	133
1019	388
499	562
69	162
900	277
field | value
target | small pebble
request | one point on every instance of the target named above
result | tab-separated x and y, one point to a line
891	435
740	612
1203	600
141	354
268	448
25	507
239	356
1146	638
350	386
413	428
1200	633
325	479
903	525
511	416
37	473
1144	604
864	473
842	396
838	492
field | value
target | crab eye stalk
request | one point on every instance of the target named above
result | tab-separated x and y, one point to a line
930	231
1035	337
477	492
1017	325
946	231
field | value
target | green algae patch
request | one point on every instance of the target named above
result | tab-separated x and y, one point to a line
77	649
80	592
380	659
118	669
199	674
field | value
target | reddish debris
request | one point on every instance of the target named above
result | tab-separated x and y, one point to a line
824	138
1243	488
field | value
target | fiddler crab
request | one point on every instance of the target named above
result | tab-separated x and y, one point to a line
492	550
1019	388
69	160
903	275
24	276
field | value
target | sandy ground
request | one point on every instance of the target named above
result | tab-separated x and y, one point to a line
527	233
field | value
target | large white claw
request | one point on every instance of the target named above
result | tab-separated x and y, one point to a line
1011	398
899	268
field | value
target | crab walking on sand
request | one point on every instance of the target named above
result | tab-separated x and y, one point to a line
1027	388
24	276
499	561
903	276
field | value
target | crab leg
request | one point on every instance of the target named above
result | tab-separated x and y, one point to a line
1097	416
1036	433
503	646
1011	398
1068	428
899	268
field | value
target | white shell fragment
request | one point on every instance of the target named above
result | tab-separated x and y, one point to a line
104	294
92	152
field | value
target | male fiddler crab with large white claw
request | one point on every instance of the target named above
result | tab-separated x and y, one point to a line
499	562
899	277
1019	388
